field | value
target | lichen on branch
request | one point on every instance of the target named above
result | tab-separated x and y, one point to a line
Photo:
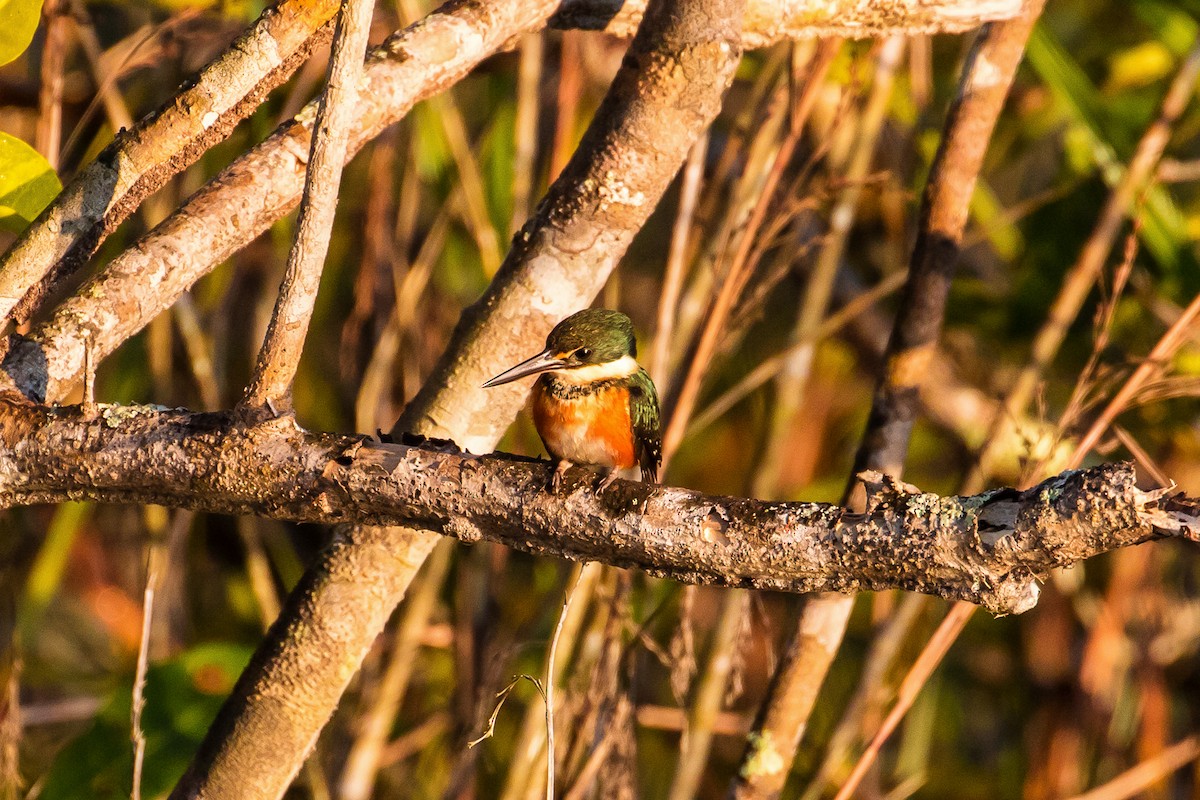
990	548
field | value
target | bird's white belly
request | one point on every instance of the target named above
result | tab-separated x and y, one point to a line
573	442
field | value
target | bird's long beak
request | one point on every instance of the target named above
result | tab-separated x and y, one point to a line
542	362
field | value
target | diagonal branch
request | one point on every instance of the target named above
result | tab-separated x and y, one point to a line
253	192
989	549
770	21
139	161
279	357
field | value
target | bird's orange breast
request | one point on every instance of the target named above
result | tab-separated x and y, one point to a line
588	429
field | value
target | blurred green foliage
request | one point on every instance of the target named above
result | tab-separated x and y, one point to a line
182	696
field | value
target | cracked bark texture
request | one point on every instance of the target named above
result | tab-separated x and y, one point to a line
668	91
140	161
989	549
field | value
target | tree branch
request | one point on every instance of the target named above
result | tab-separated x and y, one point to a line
253	192
769	21
989	549
279	357
139	161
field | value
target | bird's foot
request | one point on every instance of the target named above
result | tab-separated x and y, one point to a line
559	471
607	482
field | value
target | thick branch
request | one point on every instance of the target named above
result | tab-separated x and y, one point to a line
989	549
139	161
770	21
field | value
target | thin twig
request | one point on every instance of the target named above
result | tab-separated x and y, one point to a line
932	655
770	367
1139	778
548	695
525	139
1154	363
501	696
676	268
1106	314
48	136
154	565
280	354
13	721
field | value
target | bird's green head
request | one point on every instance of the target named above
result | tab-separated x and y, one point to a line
591	344
593	336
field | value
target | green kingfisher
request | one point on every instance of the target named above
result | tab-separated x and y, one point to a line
593	403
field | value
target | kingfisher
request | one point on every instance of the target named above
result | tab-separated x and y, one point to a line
593	403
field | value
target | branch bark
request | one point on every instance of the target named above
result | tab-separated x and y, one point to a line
989	549
769	21
280	354
139	161
254	192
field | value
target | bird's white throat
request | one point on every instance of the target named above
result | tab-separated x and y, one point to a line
623	367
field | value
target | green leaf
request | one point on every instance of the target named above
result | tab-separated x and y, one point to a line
18	21
27	183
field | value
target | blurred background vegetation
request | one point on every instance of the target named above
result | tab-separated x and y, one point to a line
1104	674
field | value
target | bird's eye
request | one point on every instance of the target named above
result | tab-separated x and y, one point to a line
583	353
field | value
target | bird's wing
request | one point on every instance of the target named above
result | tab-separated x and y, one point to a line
644	415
